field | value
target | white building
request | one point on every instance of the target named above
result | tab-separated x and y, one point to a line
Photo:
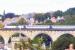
60	19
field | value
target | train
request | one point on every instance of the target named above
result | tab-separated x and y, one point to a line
28	27
41	27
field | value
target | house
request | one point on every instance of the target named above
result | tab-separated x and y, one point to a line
60	19
53	19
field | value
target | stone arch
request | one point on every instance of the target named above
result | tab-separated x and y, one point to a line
13	39
63	41
67	34
16	35
2	40
48	40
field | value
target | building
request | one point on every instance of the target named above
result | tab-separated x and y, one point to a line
53	20
60	19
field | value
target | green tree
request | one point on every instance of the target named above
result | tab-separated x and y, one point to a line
1	25
9	15
22	21
63	42
58	13
40	17
70	11
69	20
47	15
23	45
38	41
13	24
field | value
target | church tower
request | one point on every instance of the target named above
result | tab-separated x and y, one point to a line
3	18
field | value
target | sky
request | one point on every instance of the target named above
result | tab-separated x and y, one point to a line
34	6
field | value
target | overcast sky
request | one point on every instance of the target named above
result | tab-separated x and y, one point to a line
29	6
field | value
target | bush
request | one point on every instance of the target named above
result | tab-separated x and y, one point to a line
1	26
63	42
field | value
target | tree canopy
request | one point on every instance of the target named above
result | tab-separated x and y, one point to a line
63	42
22	21
58	13
70	11
9	15
41	16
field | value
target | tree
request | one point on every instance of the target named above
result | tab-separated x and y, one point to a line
13	24
40	17
58	13
38	41
24	45
22	21
47	15
63	42
9	15
1	25
42	39
69	20
70	11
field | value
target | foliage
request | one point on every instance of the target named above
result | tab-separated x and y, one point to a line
58	13
22	21
18	34
38	40
69	20
70	11
69	16
9	15
41	16
63	42
1	26
13	24
24	45
15	35
47	15
48	22
41	39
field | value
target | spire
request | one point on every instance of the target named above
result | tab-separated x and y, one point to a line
3	15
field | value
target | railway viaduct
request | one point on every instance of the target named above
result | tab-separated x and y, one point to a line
32	33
